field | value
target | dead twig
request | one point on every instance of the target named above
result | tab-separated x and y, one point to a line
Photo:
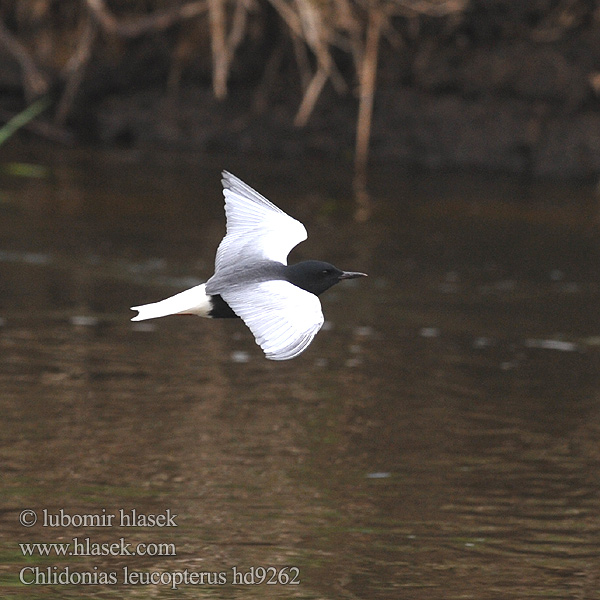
268	79
368	77
34	82
287	13
223	44
432	8
311	95
75	70
317	34
218	37
141	25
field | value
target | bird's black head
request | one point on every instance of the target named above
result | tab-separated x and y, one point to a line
316	276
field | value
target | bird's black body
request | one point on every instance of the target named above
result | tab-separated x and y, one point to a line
314	276
220	309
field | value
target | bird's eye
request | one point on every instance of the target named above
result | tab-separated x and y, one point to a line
326	271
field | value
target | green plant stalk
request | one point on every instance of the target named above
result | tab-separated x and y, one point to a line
18	121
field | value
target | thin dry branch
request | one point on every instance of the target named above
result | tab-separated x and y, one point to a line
238	25
34	82
432	8
311	96
302	62
218	36
287	13
368	78
141	25
75	70
317	34
224	45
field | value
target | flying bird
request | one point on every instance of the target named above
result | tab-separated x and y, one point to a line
278	302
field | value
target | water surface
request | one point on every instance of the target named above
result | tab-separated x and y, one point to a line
439	438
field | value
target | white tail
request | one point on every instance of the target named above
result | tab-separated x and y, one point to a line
194	301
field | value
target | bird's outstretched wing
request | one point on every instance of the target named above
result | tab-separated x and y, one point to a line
283	318
256	229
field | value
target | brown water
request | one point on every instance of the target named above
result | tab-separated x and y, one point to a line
440	439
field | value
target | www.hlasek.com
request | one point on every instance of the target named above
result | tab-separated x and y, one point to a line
86	547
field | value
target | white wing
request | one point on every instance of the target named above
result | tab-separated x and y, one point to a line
283	318
255	225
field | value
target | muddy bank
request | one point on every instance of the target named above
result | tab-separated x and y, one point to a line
410	126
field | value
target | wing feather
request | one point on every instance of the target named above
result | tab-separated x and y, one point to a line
283	318
264	231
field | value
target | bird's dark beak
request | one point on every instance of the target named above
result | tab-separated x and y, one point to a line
351	275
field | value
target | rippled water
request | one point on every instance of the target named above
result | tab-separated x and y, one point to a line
439	439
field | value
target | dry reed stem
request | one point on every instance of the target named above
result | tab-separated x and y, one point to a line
34	81
218	37
238	25
141	25
317	34
432	8
75	69
311	95
236	35
368	77
287	13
